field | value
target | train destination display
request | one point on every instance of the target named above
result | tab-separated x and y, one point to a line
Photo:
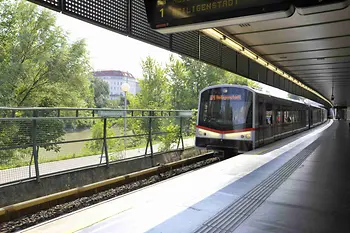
172	15
225	97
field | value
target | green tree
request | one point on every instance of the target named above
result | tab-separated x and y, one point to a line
97	133
200	76
39	68
180	92
231	78
101	92
154	92
113	103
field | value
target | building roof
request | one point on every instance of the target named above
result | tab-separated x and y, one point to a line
113	73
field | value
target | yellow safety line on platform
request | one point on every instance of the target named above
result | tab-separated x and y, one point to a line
263	151
98	221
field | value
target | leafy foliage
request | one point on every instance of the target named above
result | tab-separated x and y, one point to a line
97	133
101	92
39	68
154	87
176	86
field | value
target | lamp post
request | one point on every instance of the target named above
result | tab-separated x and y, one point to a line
125	88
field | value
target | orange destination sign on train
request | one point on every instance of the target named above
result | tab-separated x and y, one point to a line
225	97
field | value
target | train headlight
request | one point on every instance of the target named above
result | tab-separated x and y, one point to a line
200	132
248	136
206	133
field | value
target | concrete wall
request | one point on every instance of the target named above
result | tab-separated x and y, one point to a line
28	190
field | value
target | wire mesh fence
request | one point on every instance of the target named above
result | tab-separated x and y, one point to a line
41	141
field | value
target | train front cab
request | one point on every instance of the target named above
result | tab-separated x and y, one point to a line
225	119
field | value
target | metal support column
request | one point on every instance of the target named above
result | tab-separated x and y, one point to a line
35	148
180	136
105	141
149	140
125	103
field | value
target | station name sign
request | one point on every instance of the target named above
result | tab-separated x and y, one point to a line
169	16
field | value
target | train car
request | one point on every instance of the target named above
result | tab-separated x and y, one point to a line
233	118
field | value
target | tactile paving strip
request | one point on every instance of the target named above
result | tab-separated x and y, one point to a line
227	220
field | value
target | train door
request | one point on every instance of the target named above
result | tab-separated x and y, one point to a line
269	118
278	123
305	120
310	117
261	121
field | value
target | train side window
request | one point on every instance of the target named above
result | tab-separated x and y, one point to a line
290	117
269	112
294	114
287	117
297	116
279	117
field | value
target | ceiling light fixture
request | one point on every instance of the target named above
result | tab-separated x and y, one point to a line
217	35
249	54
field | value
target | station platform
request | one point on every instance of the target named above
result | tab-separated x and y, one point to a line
299	184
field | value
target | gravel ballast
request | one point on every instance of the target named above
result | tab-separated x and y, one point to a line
59	210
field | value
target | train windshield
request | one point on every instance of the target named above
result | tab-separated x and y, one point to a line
226	108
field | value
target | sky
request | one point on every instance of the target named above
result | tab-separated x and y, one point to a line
109	50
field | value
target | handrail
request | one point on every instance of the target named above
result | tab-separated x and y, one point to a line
91	109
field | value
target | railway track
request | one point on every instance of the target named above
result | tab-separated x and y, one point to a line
26	214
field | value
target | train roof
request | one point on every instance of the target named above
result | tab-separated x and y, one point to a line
300	100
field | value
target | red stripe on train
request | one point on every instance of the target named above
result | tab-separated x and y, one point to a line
225	132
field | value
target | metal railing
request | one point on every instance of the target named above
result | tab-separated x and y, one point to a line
41	141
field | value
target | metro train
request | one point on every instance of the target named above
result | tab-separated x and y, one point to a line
234	118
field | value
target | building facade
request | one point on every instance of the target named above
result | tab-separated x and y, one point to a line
115	79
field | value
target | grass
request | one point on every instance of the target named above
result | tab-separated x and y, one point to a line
24	161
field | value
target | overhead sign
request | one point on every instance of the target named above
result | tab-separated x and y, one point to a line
169	16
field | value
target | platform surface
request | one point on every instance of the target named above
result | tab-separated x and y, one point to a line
298	184
316	197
